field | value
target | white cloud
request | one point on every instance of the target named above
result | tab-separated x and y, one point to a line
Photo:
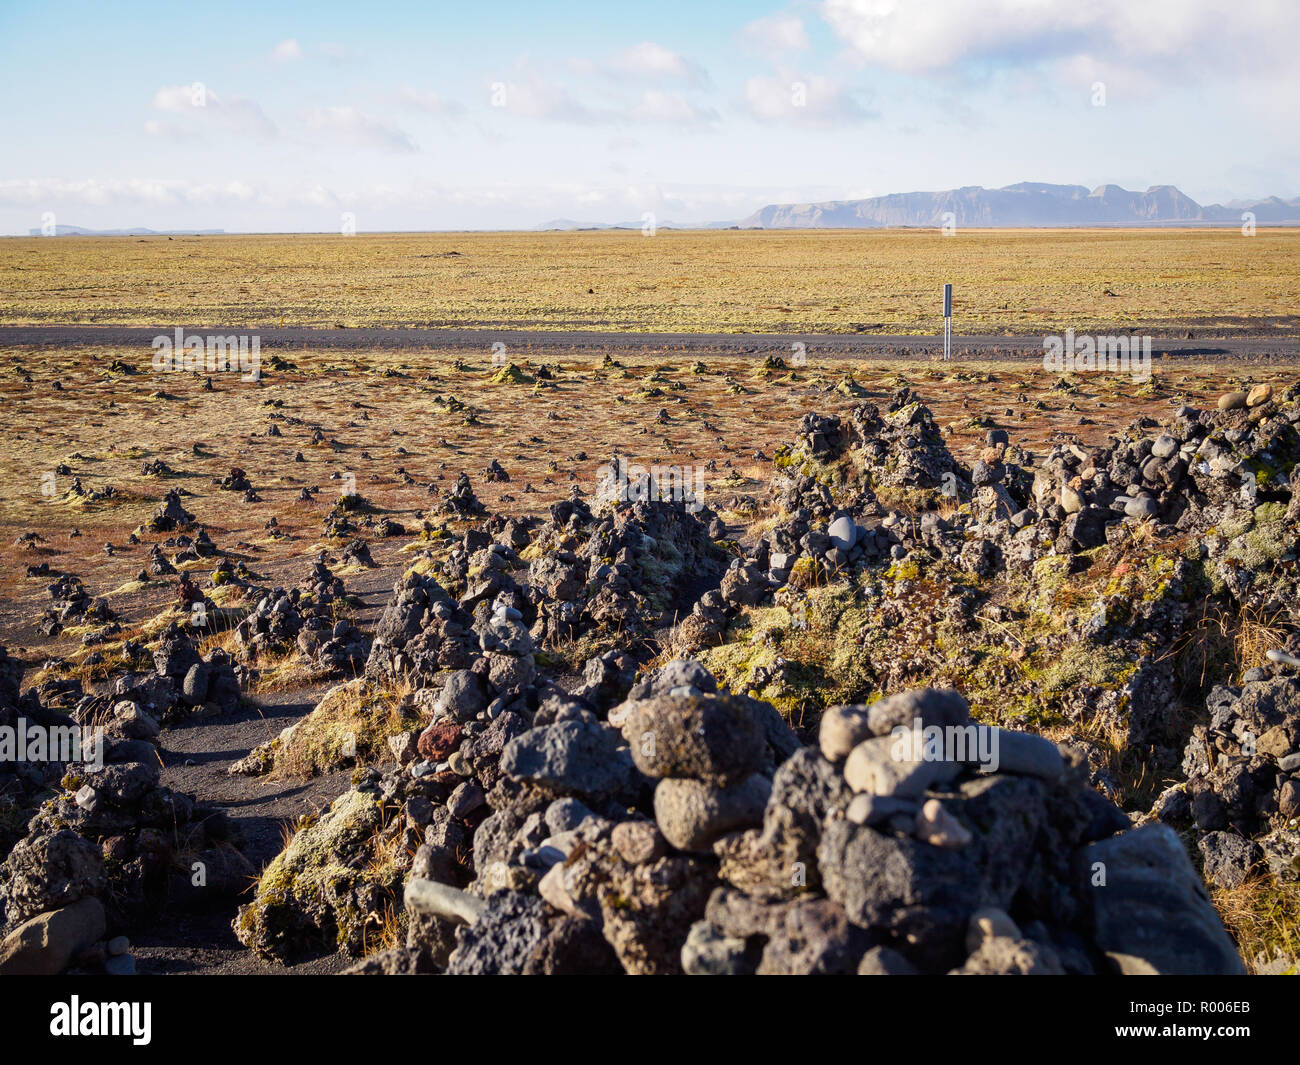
808	99
547	101
656	105
170	130
360	130
654	85
179	98
289	51
654	62
430	102
1207	37
198	109
778	32
130	192
622	200
293	51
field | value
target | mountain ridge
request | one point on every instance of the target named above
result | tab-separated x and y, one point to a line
1024	204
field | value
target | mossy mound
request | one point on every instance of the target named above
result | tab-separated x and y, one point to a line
1265	541
801	655
350	726
843	474
1058	643
353	502
336	885
510	374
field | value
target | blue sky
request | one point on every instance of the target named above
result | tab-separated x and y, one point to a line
244	116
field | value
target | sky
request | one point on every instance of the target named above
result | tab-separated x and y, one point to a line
265	117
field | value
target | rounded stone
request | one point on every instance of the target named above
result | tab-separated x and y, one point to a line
1164	446
638	842
842	729
1258	395
1142	507
196	683
843	533
692	814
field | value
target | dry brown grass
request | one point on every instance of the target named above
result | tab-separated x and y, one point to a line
1223	642
882	281
1264	918
1256	633
391	930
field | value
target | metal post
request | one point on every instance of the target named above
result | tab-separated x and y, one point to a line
947	322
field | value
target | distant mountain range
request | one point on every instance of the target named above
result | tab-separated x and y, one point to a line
139	231
1027	204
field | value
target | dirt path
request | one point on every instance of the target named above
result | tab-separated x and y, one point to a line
196	760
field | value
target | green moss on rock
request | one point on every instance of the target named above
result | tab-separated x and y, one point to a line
317	893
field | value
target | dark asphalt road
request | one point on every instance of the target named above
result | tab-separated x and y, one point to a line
544	341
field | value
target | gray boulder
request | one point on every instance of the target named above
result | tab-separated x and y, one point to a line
679	673
708	953
692	813
1228	858
48	872
1149	911
706	737
574	757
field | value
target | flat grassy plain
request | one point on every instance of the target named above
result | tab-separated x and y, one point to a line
1212	282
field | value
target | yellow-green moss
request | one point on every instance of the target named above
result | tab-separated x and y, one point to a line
306	894
351	724
1266	541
